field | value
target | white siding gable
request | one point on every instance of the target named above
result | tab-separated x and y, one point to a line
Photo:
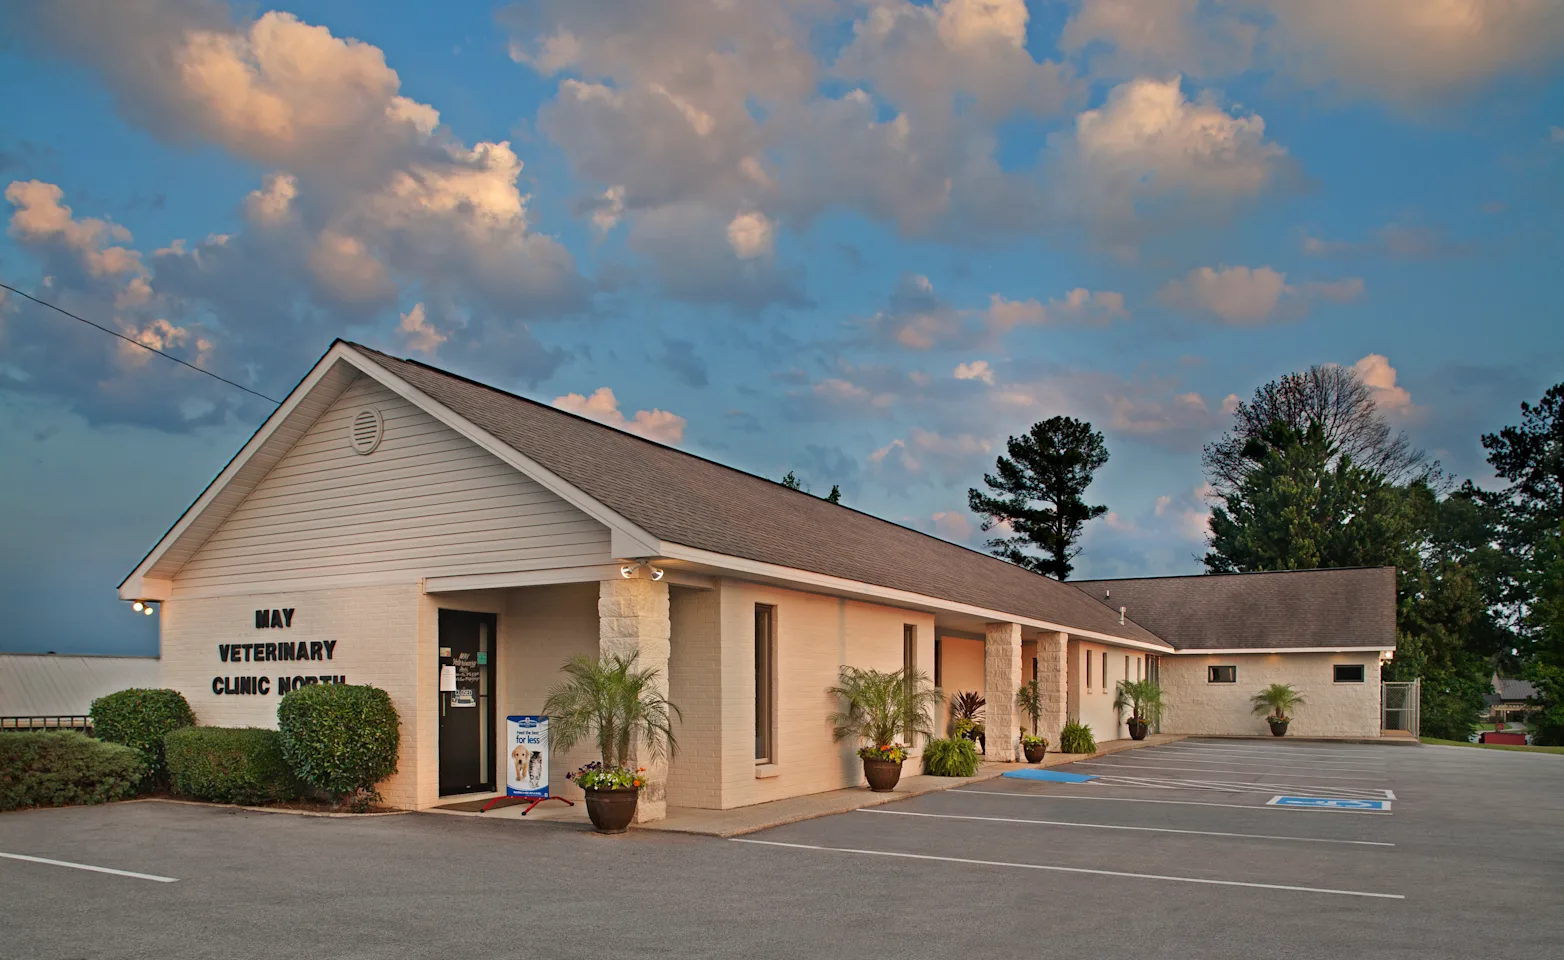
426	502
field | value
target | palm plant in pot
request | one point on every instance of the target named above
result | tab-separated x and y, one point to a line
1029	700
1142	699
880	709
1274	702
966	717
611	699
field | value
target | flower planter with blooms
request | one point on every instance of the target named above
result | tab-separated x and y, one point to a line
1033	747
880	707
617	703
611	794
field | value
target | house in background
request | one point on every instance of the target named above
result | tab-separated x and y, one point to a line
454	544
1509	701
54	691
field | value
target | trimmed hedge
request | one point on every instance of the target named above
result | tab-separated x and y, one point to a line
340	738
140	719
229	765
956	757
60	768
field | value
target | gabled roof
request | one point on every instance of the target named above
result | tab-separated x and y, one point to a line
684	499
1510	690
1348	607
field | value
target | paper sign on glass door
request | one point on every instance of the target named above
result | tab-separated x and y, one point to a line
448	678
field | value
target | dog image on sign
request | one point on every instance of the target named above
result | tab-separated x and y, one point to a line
527	773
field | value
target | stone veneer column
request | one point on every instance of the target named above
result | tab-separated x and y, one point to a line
632	618
1001	680
1053	673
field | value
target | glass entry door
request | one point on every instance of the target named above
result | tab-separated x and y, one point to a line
467	644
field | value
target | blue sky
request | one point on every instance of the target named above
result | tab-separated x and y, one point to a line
861	241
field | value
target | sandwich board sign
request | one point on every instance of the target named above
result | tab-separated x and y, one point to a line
1330	803
526	766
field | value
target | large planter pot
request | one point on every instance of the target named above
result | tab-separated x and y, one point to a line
881	774
1278	727
1034	751
1138	729
611	810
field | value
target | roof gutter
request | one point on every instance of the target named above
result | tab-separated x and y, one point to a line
838	585
1227	651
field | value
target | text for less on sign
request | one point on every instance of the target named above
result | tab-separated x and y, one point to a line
286	650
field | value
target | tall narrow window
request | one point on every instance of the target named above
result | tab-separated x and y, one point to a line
909	663
1105	671
1126	667
765	682
939	663
1088	670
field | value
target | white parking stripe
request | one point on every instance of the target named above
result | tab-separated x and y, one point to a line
1243	786
1259	760
1323	757
1059	869
1242	773
1182	803
88	866
1116	826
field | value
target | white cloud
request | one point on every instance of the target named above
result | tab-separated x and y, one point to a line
975	370
1375	371
953	525
603	406
1556	134
1235	295
273	202
418	334
40	218
1078	306
1413	53
1245	296
1158	37
927	458
1151	155
750	235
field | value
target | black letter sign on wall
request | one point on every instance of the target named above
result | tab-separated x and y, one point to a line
277	619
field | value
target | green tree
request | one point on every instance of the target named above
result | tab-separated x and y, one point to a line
792	482
835	496
1305	505
1040	497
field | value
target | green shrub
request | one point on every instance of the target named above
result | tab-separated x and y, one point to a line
340	738
60	768
229	765
956	757
140	719
1076	737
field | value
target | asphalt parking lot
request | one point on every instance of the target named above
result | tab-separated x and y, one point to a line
1172	851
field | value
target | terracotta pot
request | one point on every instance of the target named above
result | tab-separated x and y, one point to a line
881	774
1138	729
1034	751
612	810
1278	727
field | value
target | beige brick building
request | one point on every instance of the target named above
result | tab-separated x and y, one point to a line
396	525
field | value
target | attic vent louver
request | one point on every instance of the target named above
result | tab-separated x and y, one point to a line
368	427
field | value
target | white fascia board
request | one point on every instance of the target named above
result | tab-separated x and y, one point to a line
146	588
214	489
626	539
589	573
841	585
1238	650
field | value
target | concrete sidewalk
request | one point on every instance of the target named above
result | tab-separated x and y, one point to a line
761	816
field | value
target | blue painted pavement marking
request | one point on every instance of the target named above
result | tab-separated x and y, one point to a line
1330	803
1051	776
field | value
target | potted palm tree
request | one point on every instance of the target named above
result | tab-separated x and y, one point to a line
1029	700
879	709
1143	700
1274	702
966	718
612	700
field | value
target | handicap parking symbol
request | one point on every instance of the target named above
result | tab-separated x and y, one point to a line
1329	803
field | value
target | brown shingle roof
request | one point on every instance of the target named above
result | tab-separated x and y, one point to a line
684	499
1344	607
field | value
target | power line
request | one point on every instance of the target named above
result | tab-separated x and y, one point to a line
116	333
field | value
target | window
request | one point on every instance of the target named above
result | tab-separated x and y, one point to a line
1126	668
1347	672
939	664
1221	674
1105	671
765	682
1034	669
1088	670
1139	668
909	662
